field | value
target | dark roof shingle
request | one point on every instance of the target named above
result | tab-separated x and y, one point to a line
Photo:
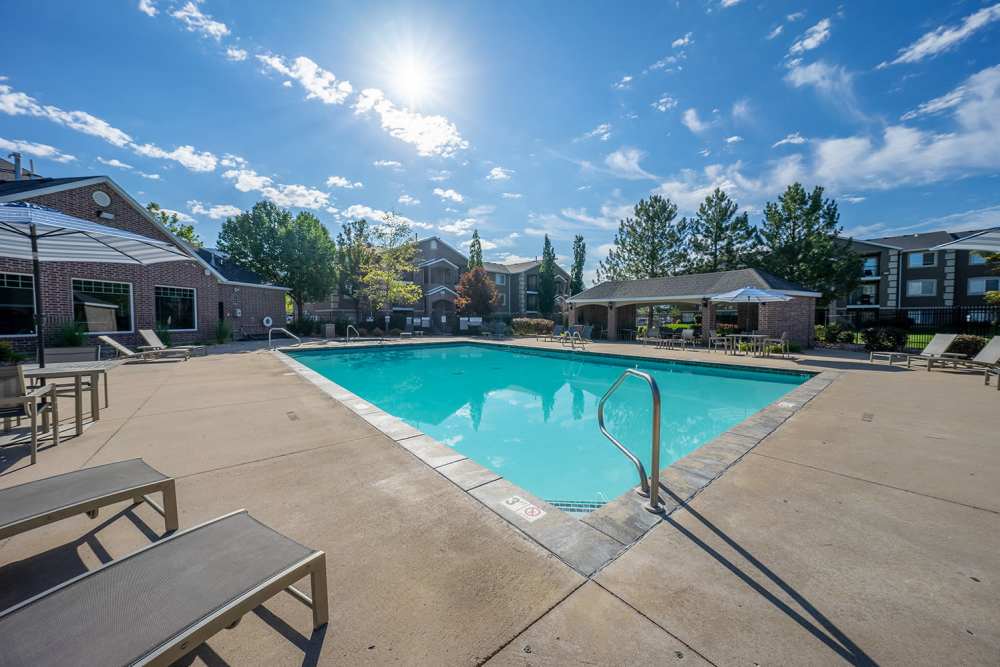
688	285
27	185
229	270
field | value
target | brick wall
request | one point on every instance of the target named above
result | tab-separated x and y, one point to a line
797	317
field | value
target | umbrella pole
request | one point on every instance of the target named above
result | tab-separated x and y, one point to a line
37	272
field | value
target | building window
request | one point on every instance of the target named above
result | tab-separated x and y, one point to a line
17	304
501	299
920	316
983	285
918	260
921	287
865	295
532	281
532	303
976	258
499	279
869	269
175	308
100	306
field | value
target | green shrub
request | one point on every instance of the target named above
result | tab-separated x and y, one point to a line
378	333
395	331
794	348
846	336
71	334
362	331
223	330
531	326
883	339
164	334
7	353
819	331
967	345
304	327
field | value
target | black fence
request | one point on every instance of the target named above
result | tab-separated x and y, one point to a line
922	323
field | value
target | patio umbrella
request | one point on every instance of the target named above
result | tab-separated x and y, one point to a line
750	295
29	231
985	241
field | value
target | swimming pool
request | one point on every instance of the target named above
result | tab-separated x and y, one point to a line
531	415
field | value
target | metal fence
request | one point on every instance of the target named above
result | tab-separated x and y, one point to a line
922	323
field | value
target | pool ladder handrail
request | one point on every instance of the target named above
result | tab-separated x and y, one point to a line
357	334
284	331
647	488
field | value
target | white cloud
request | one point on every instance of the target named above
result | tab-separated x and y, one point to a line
459	227
607	218
187	156
812	38
297	196
152	177
449	194
430	135
14	103
407	200
148	7
665	103
511	258
777	31
735	139
181	216
341	182
832	82
794	138
693	122
387	164
729	3
602	132
741	110
356	211
795	16
43	151
235	54
438	175
686	40
195	21
114	162
949	100
623	83
481	210
944	38
318	83
502	242
978	218
214	211
624	163
852	199
499	174
704	152
511	195
287	83
667	63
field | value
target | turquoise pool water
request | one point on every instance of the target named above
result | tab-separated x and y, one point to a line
531	416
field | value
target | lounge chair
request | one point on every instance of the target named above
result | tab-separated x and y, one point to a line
991	370
44	501
554	335
686	338
158	604
153	342
988	356
17	401
937	346
148	355
652	336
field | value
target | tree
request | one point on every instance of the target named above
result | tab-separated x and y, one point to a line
475	251
649	245
252	239
993	261
308	258
354	246
720	240
173	223
391	258
476	293
800	241
547	279
579	259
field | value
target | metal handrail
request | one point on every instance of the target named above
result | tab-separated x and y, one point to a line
647	488
357	334
284	331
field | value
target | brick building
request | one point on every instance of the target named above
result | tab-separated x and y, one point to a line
188	298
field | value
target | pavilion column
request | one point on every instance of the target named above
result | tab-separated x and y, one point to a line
574	315
707	320
612	322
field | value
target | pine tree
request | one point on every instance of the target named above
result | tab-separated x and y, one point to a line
475	251
720	240
579	259
648	245
547	279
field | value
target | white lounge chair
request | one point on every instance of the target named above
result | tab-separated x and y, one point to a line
988	357
937	346
153	342
147	355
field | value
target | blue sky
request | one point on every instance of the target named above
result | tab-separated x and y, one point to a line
517	119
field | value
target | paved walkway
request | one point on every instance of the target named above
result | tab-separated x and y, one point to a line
866	529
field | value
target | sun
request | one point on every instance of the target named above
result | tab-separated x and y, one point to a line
413	80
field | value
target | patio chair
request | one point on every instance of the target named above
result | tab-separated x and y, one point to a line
58	355
782	342
988	357
686	338
147	355
991	370
153	342
44	501
652	336
554	335
161	602
937	346
17	401
716	340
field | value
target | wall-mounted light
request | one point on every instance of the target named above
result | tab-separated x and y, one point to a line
107	215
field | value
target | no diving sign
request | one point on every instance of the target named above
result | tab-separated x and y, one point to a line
526	510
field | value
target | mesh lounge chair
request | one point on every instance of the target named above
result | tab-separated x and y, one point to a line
987	357
44	501
991	370
143	356
937	346
17	401
153	342
557	331
157	604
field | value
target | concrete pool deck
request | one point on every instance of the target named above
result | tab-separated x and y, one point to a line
865	529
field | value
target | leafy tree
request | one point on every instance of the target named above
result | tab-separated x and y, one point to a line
475	251
354	246
476	293
649	245
176	227
547	279
800	241
993	261
252	239
579	259
391	258
308	258
720	240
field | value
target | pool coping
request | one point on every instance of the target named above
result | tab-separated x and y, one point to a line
589	543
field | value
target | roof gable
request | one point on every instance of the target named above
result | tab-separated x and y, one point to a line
690	286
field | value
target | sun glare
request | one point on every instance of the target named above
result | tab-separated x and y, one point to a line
412	80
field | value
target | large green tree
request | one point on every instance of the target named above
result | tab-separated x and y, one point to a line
383	276
800	241
719	238
308	258
475	251
252	239
579	259
648	245
476	293
354	247
547	279
171	221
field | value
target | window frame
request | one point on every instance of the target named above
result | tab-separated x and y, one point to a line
499	279
34	313
921	253
876	273
984	279
131	304
910	294
193	289
981	256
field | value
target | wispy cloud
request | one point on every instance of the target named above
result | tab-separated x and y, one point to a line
341	182
236	54
624	163
246	179
681	42
794	138
499	174
148	7
601	132
623	83
114	162
811	39
943	37
187	156
949	100
358	211
388	164
735	139
213	211
318	83
449	194
778	29
833	82
511	195
407	200
430	135
43	151
665	103
195	21
693	122
438	175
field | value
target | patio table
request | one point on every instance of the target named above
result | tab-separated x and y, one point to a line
756	342
77	370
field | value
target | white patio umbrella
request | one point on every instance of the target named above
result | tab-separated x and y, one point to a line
29	231
750	295
985	241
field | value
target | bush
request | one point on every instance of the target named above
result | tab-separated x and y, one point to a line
819	331
846	336
395	331
528	326
223	331
378	333
883	339
304	327
7	353
71	335
794	348
967	345
164	335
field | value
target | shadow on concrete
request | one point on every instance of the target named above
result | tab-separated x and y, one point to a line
850	365
816	624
